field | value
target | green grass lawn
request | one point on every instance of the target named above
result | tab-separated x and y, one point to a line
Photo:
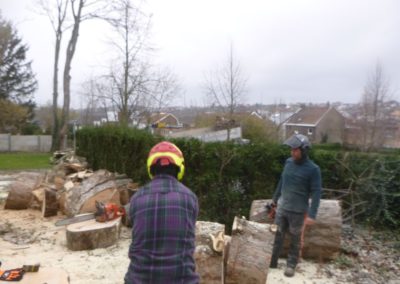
24	161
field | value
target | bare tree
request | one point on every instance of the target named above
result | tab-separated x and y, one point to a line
132	87
226	86
373	114
95	9
57	16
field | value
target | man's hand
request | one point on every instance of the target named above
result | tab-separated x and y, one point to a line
309	221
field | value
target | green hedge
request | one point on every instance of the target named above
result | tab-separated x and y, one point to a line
227	177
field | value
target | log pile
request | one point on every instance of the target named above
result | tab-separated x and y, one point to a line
73	189
321	240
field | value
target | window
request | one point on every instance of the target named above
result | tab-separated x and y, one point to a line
310	131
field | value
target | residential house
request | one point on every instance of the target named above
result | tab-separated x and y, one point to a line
164	123
320	124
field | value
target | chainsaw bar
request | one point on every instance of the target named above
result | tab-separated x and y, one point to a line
76	219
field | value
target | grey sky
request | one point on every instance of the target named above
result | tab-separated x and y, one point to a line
291	50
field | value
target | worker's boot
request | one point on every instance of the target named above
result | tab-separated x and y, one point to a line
289	271
273	263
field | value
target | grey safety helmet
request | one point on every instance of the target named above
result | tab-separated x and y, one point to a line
298	141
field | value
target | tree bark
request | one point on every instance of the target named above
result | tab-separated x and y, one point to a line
249	253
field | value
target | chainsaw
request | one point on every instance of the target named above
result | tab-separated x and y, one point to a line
104	212
268	213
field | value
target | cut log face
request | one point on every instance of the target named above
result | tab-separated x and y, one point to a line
83	195
90	234
107	195
209	251
321	240
250	252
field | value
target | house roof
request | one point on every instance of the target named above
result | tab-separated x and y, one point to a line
309	115
158	117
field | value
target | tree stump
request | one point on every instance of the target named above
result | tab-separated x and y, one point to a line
321	240
209	252
90	234
250	252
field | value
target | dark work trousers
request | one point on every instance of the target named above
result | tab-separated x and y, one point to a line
292	223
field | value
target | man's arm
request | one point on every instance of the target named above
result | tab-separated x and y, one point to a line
278	191
315	193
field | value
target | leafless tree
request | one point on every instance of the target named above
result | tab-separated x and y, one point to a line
132	87
91	103
225	87
373	114
56	12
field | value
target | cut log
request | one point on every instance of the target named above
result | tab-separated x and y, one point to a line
321	240
90	234
250	252
20	191
81	197
50	203
209	252
126	189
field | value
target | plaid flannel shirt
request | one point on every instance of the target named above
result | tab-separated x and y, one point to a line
164	214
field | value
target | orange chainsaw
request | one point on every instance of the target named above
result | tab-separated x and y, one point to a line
104	212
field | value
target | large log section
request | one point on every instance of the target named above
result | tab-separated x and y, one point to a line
101	186
249	252
209	252
90	234
321	240
20	194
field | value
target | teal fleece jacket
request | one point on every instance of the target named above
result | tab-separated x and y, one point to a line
298	183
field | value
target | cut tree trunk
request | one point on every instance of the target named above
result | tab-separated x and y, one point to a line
321	240
50	203
209	252
20	191
249	253
81	198
91	234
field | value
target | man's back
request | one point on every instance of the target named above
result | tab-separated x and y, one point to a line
164	214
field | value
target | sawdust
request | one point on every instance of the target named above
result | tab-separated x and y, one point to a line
27	238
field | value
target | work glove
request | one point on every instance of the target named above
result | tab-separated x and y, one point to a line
15	274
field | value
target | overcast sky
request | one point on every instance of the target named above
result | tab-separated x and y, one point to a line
290	50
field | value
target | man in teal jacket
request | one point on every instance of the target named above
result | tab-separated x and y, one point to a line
300	181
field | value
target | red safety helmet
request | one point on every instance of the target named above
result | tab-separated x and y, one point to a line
168	154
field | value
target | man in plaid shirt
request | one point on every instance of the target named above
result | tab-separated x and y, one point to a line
163	214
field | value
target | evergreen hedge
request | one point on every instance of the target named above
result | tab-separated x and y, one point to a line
227	177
